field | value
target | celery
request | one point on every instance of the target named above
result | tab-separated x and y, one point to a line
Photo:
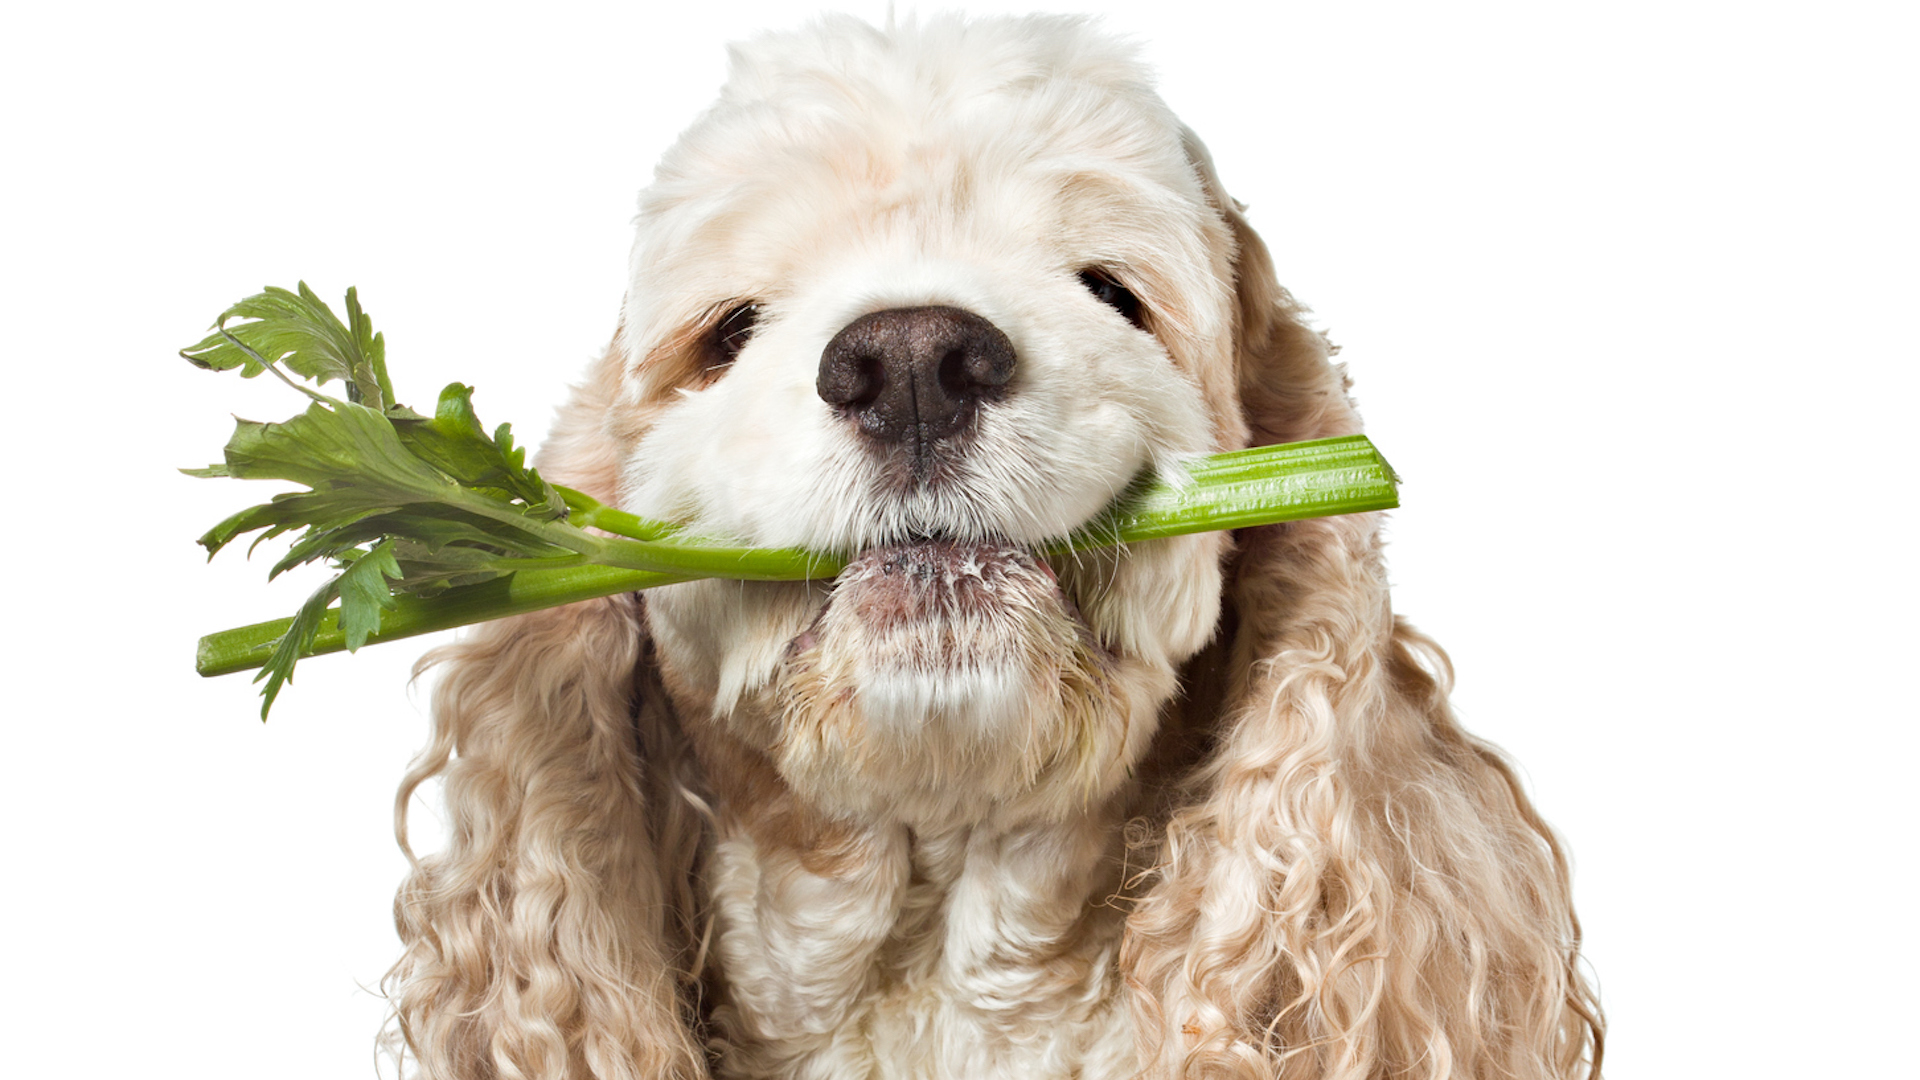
433	523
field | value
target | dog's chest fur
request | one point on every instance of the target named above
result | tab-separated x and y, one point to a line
976	952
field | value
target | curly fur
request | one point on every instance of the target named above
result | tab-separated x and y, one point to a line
774	830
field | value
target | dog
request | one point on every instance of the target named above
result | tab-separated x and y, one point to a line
930	296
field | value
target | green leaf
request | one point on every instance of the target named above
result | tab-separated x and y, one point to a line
454	442
335	445
431	536
299	331
364	593
369	370
294	642
246	521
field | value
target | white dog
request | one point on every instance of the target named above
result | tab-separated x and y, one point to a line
931	296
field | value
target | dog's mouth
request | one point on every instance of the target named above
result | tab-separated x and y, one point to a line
945	578
941	582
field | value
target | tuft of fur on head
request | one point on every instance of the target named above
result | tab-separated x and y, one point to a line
881	825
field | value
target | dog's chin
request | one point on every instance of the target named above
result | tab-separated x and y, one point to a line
943	676
941	632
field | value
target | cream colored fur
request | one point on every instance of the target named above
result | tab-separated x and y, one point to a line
1199	809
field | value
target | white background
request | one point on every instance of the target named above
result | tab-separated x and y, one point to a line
1627	291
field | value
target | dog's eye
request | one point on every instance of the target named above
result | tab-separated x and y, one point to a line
730	334
1114	295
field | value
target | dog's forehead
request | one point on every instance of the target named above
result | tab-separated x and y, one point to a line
1047	80
991	130
947	54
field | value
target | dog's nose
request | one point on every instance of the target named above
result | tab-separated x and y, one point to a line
915	375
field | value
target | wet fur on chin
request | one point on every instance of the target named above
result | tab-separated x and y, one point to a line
941	678
1198	809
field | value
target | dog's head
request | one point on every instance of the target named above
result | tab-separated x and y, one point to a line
931	300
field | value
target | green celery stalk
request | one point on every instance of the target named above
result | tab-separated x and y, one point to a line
1262	485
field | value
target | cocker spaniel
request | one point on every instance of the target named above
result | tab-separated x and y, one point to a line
930	296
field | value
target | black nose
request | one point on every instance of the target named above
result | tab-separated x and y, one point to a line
915	375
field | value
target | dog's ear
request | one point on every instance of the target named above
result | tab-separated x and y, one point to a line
1354	887
551	937
1289	388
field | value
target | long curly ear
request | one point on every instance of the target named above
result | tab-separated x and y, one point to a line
550	938
1354	887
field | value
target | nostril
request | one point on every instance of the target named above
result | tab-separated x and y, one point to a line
873	379
852	379
956	373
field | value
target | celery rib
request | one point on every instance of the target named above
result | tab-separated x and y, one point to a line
1257	486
